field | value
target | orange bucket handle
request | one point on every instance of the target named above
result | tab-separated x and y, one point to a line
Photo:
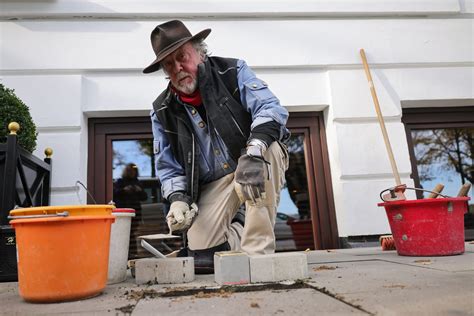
60	214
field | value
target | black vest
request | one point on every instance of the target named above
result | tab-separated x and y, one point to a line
217	79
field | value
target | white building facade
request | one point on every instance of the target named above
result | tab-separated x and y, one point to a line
71	61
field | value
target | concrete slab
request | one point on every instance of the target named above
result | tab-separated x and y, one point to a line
300	302
328	256
464	262
458	263
369	251
113	297
391	288
341	282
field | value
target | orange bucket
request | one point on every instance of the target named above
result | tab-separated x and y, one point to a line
62	258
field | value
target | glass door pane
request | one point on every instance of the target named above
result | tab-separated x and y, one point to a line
445	155
293	227
135	186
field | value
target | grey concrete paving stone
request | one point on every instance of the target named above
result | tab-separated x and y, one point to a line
381	283
469	246
369	251
111	298
231	267
168	271
390	288
300	302
458	263
324	256
278	267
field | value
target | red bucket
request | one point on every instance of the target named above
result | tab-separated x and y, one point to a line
427	227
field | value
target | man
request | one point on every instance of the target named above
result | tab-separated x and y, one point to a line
218	133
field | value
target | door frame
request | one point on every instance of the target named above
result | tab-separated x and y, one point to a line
101	132
323	213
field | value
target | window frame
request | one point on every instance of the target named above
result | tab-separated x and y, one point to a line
432	118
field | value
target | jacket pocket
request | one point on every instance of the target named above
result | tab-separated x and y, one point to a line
156	147
259	89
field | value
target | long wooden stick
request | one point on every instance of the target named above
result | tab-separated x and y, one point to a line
380	118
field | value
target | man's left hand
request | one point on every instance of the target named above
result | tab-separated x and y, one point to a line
250	174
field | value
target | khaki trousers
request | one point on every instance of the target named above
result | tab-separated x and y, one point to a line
219	203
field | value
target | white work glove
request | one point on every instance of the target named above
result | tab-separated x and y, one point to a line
181	215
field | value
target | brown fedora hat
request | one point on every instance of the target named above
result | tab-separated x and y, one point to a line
168	37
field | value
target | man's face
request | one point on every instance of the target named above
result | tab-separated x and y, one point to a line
182	66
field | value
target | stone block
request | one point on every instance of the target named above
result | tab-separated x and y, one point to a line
231	267
278	267
164	271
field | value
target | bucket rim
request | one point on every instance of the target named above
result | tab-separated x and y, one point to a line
13	222
54	209
123	214
123	210
425	201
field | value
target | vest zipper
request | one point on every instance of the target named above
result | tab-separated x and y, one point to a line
192	170
193	156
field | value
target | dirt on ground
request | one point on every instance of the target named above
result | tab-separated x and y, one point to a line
324	267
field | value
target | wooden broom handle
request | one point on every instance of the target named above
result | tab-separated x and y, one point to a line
380	118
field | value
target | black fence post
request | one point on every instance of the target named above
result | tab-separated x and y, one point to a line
9	181
47	178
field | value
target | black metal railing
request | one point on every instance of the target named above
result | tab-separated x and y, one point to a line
24	178
25	181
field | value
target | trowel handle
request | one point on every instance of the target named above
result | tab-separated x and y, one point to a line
464	189
436	191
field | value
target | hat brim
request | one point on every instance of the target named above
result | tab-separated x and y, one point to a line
155	66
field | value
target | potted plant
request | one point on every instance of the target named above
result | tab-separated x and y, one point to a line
24	178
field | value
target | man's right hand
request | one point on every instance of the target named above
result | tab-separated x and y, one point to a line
181	215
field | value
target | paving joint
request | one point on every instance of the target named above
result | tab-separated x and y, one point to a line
424	266
226	290
339	298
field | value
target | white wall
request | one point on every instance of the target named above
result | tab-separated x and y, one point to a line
69	60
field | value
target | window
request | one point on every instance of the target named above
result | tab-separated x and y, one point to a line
441	145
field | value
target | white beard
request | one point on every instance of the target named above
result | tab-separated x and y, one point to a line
186	88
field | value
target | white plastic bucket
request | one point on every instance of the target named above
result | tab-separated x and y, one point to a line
119	242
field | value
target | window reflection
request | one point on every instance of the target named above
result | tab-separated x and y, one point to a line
128	191
446	156
293	227
135	186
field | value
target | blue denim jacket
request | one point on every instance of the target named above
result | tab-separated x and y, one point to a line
215	161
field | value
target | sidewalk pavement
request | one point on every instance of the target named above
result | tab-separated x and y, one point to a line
356	281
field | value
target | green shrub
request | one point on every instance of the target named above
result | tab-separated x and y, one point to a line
12	109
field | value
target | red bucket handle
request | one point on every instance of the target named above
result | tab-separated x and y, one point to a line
393	189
